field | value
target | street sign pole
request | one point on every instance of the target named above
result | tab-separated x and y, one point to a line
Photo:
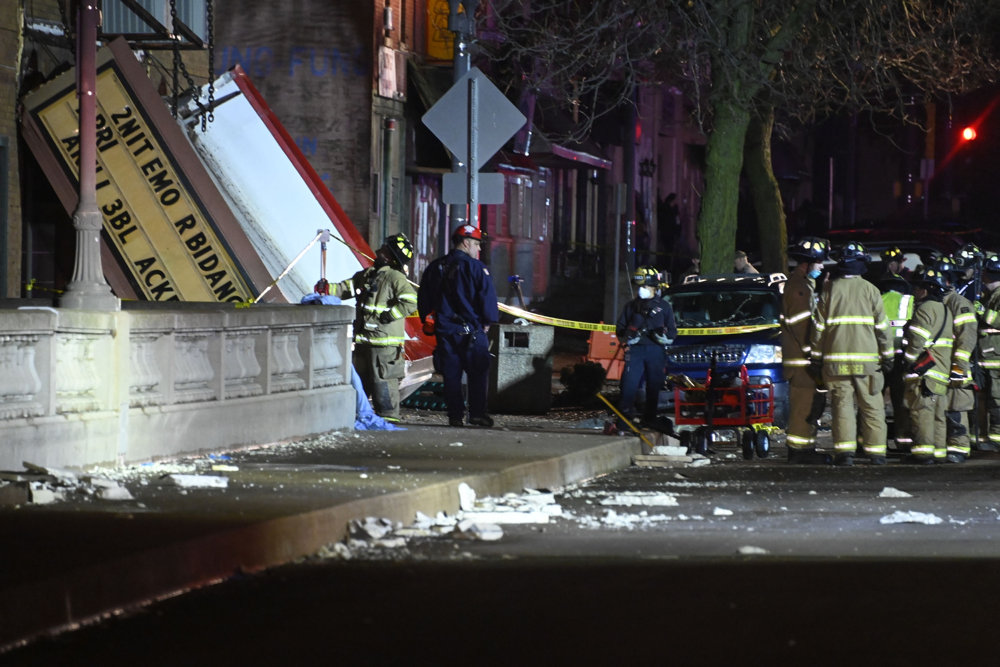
464	27
473	171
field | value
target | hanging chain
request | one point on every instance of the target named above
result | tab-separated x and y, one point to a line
179	65
211	63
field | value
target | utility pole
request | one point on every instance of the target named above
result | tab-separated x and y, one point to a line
87	289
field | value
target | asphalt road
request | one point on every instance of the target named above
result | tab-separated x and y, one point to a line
734	562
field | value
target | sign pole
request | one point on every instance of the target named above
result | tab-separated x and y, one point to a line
473	171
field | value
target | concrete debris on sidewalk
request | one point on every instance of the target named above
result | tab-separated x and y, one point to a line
890	492
40	485
644	498
911	517
185	481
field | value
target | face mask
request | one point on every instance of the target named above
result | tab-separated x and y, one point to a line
646	293
814	274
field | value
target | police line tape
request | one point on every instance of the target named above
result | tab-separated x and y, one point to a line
590	326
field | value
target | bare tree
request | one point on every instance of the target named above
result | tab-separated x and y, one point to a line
742	62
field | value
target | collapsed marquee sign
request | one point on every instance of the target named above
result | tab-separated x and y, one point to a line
167	229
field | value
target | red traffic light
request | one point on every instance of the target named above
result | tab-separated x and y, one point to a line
968	133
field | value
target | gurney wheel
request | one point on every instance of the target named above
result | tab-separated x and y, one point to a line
762	444
748	445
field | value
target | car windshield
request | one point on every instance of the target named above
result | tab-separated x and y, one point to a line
712	308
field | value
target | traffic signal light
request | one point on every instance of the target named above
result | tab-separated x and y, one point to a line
968	133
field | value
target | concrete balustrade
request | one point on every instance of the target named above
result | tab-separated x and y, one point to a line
82	388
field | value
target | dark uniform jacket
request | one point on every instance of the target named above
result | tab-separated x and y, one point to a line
459	290
647	320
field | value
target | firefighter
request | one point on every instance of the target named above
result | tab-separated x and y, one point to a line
989	351
961	395
850	346
898	303
805	399
384	298
644	329
928	355
892	278
970	259
457	294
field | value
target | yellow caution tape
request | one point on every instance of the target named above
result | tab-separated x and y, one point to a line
555	321
590	326
722	331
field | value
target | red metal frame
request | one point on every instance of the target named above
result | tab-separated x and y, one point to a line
742	405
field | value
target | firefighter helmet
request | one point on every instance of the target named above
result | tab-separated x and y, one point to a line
398	248
932	280
892	254
852	251
467	232
810	249
991	264
948	266
646	275
968	255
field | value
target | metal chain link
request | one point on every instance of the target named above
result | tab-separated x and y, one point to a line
180	66
211	61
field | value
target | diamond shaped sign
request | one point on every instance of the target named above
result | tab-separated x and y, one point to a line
495	118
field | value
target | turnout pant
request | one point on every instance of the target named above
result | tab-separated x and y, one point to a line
856	404
381	369
961	400
805	406
927	420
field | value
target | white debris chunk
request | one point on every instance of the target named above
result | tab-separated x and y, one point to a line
197	481
370	528
890	492
721	511
466	497
753	551
911	517
645	498
116	492
64	476
42	494
509	517
669	450
474	530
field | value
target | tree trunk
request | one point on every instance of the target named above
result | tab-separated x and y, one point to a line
723	164
765	191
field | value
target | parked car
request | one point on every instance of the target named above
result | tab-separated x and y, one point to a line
735	319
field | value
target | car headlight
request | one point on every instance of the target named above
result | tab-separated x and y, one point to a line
764	354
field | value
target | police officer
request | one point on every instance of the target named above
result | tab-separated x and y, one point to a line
989	350
961	396
457	291
927	377
805	401
644	328
850	345
384	298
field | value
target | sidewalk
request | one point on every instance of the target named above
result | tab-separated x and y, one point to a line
75	558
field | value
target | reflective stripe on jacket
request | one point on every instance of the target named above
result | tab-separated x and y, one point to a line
384	299
851	333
